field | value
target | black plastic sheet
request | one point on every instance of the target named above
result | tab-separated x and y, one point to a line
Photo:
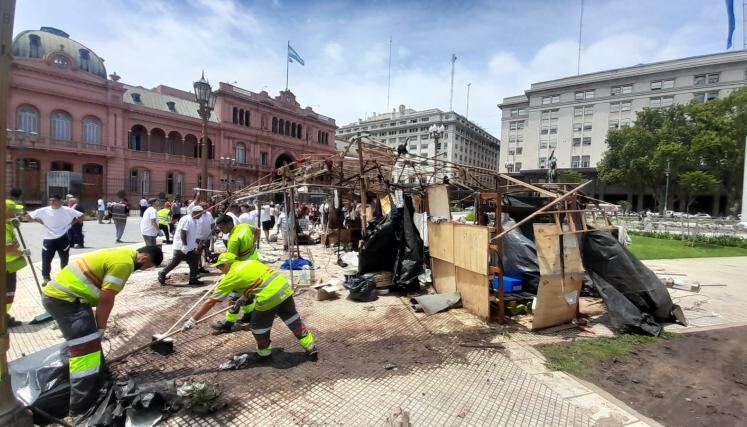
520	257
606	259
362	289
409	264
41	379
379	251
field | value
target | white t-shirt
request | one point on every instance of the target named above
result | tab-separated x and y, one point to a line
57	221
245	218
204	225
143	203
101	205
146	223
233	217
188	224
266	213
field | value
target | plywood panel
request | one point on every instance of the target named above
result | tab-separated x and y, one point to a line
444	276
438	201
560	282
473	288
471	248
441	241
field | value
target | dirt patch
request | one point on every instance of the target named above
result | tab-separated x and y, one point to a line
697	380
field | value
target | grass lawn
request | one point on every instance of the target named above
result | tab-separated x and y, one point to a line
653	248
579	358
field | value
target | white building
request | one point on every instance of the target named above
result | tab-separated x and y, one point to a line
572	115
463	142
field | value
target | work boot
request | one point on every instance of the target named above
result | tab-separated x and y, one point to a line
223	326
46	279
203	270
246	318
11	321
312	353
161	278
195	282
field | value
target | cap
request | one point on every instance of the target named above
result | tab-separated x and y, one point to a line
225	258
197	209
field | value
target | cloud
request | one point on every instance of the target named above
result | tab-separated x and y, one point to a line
334	51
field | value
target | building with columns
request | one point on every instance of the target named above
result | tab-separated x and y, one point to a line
74	129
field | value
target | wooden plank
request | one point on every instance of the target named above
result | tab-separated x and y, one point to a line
441	240
438	201
473	288
471	247
558	292
444	276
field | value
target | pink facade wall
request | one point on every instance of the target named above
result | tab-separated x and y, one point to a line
47	88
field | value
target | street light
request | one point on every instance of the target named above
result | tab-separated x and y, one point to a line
227	163
436	132
667	172
206	100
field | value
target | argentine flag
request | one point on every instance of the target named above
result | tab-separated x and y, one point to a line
294	56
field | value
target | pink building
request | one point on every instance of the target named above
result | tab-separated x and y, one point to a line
75	130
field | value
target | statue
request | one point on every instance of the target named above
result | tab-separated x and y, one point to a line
552	168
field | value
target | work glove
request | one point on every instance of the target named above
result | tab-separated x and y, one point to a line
25	252
102	333
15	222
189	324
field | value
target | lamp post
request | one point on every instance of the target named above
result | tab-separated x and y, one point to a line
437	131
667	172
227	164
206	100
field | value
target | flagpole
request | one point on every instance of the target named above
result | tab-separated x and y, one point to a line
287	62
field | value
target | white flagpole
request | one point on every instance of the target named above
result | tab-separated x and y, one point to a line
287	64
580	33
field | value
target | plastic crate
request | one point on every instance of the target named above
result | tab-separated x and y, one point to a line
510	284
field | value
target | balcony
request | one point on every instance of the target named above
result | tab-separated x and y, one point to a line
30	140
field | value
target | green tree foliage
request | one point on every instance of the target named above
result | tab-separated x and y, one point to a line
706	137
570	177
696	182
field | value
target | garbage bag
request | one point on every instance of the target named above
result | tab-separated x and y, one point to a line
434	303
409	262
625	317
379	250
41	379
605	256
520	257
130	403
362	289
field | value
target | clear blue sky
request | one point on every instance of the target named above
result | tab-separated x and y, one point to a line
501	46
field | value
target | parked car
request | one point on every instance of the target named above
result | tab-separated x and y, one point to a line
701	215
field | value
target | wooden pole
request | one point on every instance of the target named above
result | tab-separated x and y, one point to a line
364	200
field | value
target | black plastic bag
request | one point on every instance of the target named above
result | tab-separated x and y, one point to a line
624	316
409	264
362	289
520	257
379	251
41	380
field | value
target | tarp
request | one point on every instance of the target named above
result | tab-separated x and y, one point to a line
606	259
409	264
41	379
297	263
434	303
362	289
520	257
379	251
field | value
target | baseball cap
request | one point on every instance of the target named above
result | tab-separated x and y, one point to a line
225	258
197	209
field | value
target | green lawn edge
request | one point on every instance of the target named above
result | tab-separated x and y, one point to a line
653	248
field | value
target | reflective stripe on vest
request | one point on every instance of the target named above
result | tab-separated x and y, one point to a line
277	297
85	277
66	290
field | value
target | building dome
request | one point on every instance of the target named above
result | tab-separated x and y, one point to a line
57	47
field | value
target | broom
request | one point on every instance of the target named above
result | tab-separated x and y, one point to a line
44	317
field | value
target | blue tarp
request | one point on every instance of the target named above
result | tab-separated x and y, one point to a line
297	263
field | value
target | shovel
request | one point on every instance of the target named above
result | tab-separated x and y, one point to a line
44	317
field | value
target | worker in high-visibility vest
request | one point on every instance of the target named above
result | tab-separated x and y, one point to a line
164	217
14	259
241	238
93	280
273	295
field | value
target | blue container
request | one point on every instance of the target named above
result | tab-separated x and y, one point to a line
510	284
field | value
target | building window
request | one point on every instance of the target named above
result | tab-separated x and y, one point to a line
621	90
585	94
585	161
543	162
553	130
712	78
705	96
509	168
274	125
625	106
517	166
61	62
61	166
587	126
578	111
576	142
264	158
543	144
91	130
61	126
553	143
577	127
240	154
656	85
174	183
235	116
587	140
27	119
34	46
519	150
299	133
85	59
625	123
575	160
702	79
614	124
614	107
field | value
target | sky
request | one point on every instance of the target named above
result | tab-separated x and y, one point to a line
502	46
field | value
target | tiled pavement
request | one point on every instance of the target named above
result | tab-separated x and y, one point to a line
456	386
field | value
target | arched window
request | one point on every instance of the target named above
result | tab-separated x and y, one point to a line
91	130
246	118
281	126
35	46
61	61
319	136
138	134
240	154
293	130
299	132
27	119
174	183
287	128
274	125
241	117
235	115
61	126
85	59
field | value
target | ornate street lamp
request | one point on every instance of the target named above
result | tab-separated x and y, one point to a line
437	132
227	164
205	98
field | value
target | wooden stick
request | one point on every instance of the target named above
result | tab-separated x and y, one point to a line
543	209
191	308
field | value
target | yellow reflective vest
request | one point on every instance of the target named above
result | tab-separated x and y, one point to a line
163	216
13	263
252	278
84	278
241	242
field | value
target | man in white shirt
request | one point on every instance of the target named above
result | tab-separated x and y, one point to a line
57	219
185	247
143	206
204	235
268	221
234	212
100	210
149	223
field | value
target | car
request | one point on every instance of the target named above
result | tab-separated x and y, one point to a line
701	215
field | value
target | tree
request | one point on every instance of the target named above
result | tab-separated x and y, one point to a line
696	182
570	177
